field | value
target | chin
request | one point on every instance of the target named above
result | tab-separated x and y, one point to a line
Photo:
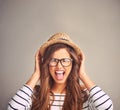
60	82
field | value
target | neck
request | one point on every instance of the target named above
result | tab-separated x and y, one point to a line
59	88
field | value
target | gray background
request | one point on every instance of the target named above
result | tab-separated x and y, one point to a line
92	24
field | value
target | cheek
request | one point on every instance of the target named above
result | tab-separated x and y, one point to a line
51	70
69	69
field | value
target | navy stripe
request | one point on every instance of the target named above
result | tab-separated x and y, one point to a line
109	107
103	102
57	100
12	107
99	97
93	88
90	101
96	93
59	95
28	88
18	102
57	105
85	107
25	92
22	98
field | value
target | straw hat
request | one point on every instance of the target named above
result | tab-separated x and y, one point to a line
59	38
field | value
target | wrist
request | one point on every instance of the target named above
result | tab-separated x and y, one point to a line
33	80
87	81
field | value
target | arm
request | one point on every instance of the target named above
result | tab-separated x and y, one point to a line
98	99
83	76
36	75
22	100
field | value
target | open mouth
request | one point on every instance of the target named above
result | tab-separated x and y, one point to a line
59	74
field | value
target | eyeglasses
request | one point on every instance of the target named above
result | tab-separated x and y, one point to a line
64	62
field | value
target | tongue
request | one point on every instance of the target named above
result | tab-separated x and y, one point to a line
59	76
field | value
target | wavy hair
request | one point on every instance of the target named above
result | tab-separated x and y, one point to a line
75	96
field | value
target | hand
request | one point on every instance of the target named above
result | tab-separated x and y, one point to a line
36	75
82	66
37	63
82	74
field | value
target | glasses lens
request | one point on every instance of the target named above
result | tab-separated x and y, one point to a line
53	62
66	61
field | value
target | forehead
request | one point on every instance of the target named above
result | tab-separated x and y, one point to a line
61	53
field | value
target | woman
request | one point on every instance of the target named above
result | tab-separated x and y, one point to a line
59	67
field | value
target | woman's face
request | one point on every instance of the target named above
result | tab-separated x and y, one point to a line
60	66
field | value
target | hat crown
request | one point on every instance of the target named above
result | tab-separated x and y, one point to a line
60	36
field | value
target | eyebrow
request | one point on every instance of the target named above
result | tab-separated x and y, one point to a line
62	58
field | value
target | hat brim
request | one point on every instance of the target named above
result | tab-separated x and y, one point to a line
51	42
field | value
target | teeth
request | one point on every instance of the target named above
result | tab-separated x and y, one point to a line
59	72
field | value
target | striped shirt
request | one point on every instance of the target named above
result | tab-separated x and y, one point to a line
57	102
98	100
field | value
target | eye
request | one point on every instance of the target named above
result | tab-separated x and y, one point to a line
54	60
66	60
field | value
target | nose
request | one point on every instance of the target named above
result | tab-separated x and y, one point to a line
59	65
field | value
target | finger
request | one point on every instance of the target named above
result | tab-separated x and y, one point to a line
37	56
82	56
37	60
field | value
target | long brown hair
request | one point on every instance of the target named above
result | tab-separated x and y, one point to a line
74	94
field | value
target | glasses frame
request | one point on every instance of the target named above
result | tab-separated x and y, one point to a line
61	61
